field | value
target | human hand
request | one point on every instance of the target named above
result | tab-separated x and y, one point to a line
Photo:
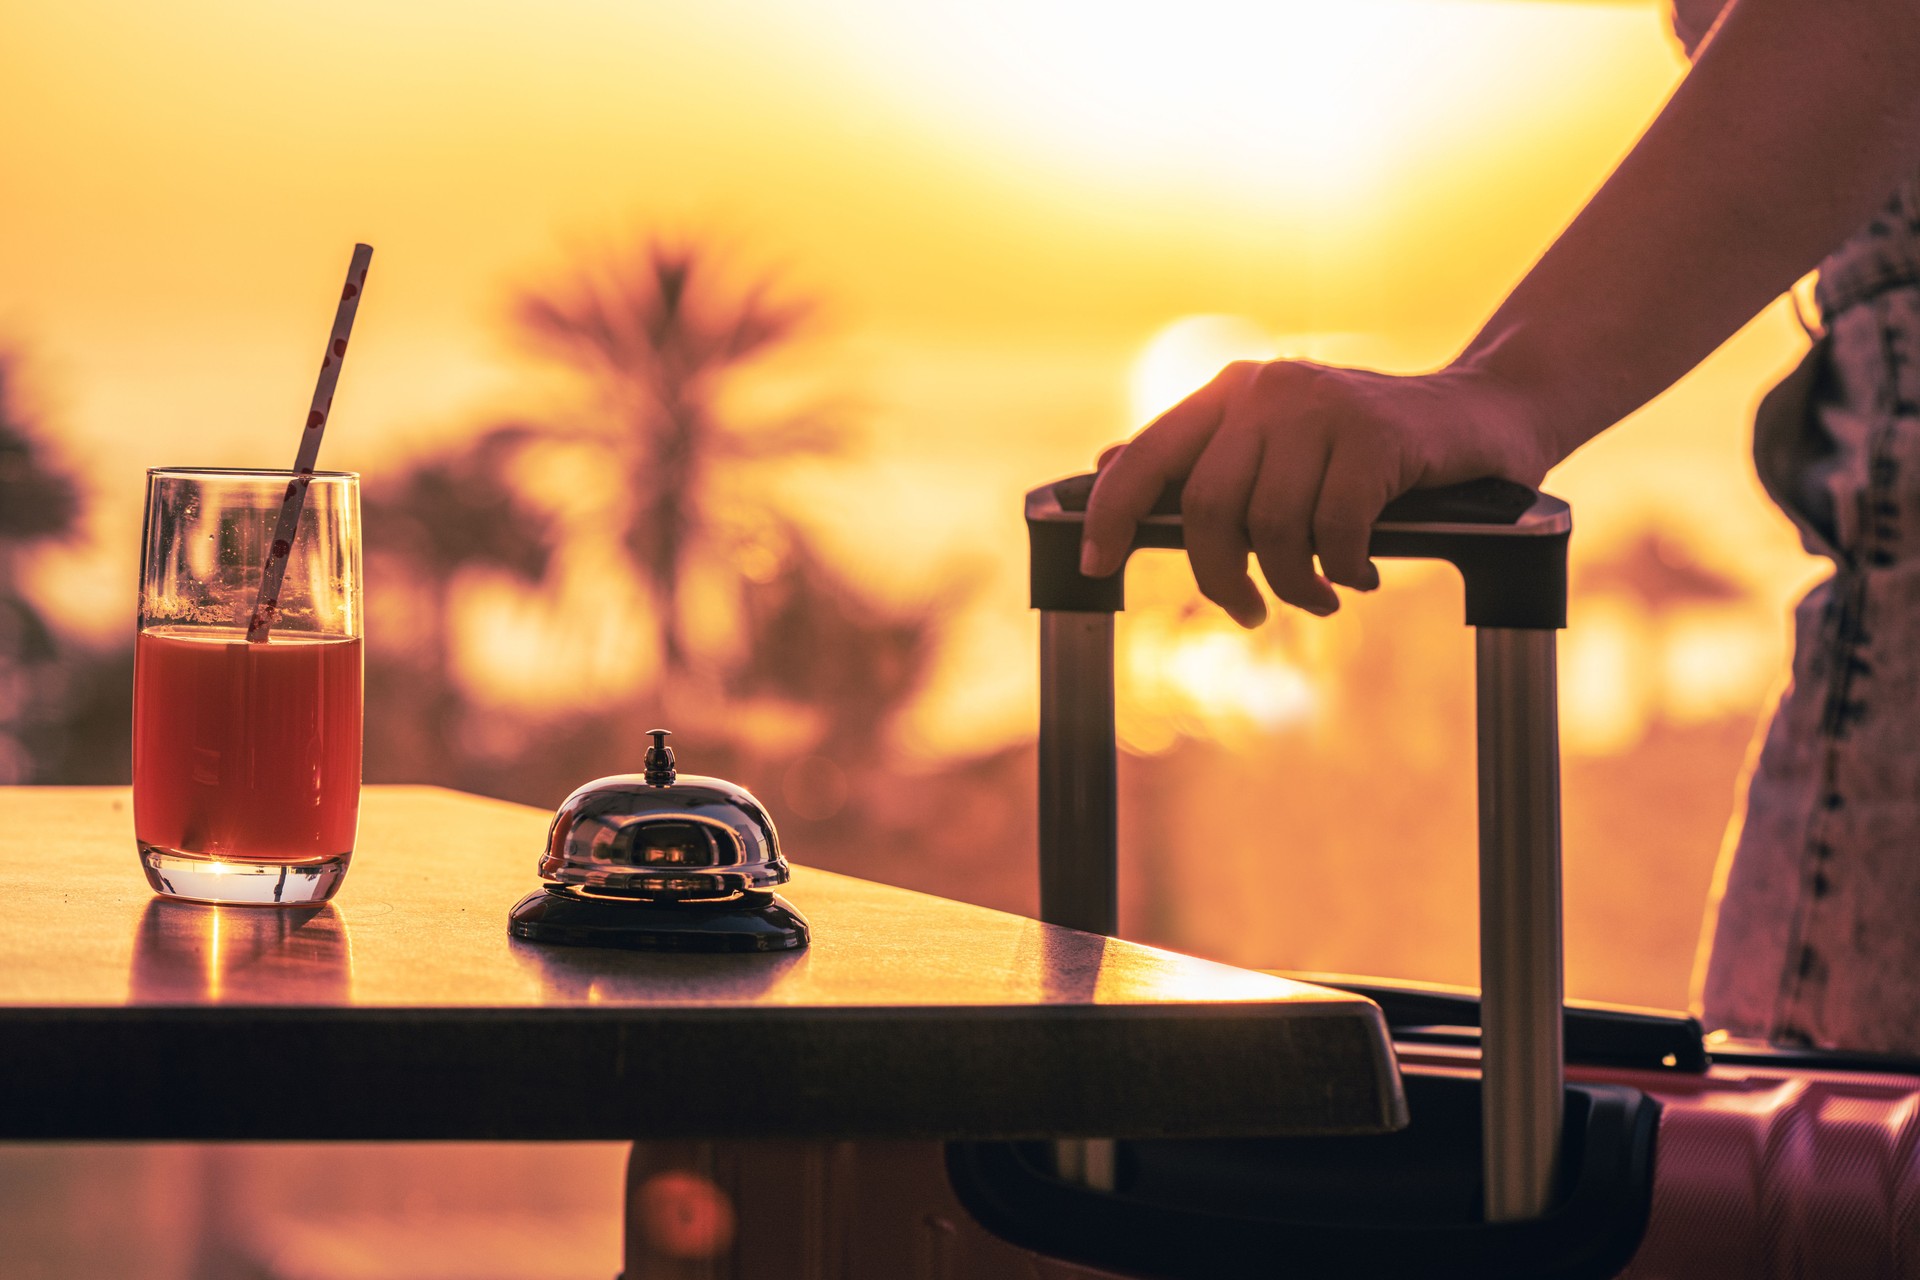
1289	460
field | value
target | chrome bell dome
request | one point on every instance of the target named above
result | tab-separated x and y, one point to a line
657	861
662	834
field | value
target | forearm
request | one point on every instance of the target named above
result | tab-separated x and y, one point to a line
1798	119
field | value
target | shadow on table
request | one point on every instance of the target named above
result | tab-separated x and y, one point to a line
1066	965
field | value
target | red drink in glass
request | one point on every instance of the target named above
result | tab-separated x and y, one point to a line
246	751
246	756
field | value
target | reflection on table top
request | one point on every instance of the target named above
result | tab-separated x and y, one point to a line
874	1028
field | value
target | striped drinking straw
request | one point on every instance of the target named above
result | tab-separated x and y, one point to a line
266	608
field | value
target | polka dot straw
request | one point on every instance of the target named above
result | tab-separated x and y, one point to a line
266	608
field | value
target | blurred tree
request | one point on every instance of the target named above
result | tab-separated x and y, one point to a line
654	458
39	504
658	337
440	517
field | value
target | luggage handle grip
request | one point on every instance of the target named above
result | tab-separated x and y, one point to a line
1508	542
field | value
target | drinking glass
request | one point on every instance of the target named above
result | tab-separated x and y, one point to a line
246	756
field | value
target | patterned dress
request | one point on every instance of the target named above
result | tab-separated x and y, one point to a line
1815	938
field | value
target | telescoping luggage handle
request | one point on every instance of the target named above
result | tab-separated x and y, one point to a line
1510	545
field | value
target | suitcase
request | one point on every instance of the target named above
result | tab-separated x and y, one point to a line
1547	1138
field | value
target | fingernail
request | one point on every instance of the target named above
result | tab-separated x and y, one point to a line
1250	618
1322	610
1373	579
1089	560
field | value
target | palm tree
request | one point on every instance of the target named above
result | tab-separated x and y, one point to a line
770	659
456	511
447	513
657	337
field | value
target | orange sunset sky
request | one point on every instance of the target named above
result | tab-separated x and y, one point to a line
1011	210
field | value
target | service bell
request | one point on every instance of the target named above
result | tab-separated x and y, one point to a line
660	861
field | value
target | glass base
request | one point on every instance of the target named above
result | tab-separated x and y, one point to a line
233	881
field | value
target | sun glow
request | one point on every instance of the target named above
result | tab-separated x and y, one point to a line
1313	103
1203	677
1624	667
1187	353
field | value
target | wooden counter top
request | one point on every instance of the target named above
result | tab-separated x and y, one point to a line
403	1009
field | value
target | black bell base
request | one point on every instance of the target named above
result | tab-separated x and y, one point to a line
745	922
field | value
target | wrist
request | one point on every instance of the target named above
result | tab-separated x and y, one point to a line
1537	412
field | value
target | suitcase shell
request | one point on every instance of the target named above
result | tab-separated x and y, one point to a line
1768	1167
1761	1163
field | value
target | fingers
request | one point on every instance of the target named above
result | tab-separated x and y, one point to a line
1280	525
1284	460
1130	484
1352	494
1213	507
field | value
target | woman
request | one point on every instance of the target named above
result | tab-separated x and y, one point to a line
1796	121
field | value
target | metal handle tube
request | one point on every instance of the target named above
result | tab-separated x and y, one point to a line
1521	983
1079	814
1079	823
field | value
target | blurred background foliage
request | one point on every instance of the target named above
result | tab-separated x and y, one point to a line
637	527
65	704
